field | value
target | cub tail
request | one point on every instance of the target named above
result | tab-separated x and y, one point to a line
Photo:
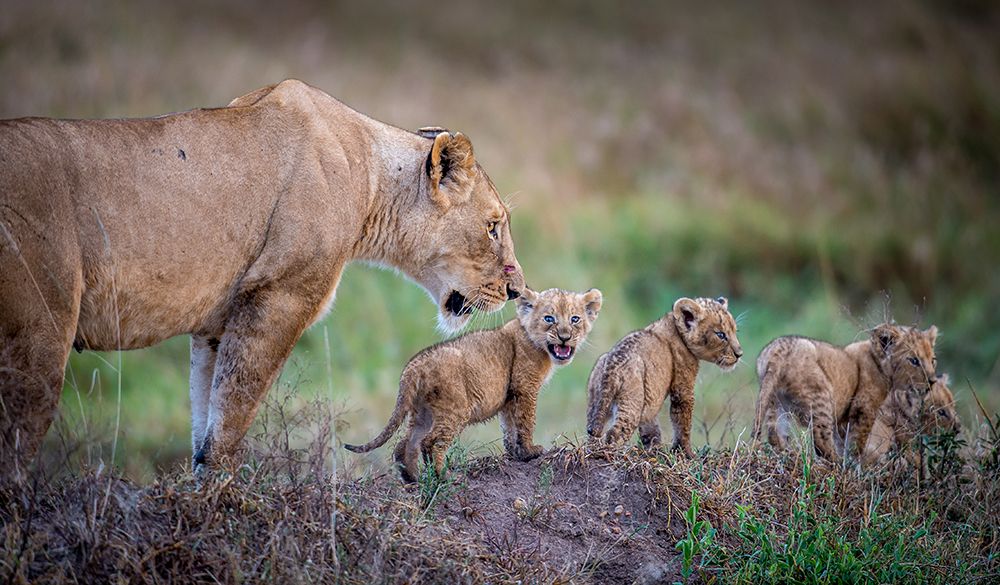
404	403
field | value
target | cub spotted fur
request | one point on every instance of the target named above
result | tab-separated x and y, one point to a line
645	366
906	414
470	379
839	389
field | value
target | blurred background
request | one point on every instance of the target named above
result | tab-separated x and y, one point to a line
824	166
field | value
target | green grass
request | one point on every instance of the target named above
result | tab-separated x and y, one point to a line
813	546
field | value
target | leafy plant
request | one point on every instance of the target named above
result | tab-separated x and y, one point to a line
435	487
700	535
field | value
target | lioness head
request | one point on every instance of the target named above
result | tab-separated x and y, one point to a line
558	321
906	356
709	330
470	262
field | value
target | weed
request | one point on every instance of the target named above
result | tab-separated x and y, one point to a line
700	536
436	487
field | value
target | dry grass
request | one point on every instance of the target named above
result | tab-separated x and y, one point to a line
578	514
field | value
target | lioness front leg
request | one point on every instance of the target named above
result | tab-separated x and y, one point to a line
519	427
258	339
203	354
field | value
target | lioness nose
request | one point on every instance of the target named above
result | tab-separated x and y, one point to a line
512	294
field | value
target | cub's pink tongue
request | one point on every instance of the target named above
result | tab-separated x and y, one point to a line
562	351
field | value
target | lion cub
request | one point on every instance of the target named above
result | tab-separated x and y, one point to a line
472	378
638	373
907	413
839	389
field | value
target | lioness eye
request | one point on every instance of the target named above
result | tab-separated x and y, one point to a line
720	335
550	319
914	361
492	228
574	319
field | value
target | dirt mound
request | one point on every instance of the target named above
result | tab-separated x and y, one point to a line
574	515
585	519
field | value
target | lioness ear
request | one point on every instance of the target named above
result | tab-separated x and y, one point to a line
944	379
526	302
592	300
884	337
931	334
449	167
687	312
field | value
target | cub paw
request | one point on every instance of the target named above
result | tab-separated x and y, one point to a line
529	452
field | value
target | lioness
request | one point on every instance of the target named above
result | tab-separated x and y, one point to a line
839	389
232	224
468	380
907	413
638	373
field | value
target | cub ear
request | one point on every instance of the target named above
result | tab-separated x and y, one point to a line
449	167
944	379
687	312
724	302
592	300
526	302
931	334
885	337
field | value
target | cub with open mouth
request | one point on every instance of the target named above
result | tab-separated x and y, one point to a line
472	378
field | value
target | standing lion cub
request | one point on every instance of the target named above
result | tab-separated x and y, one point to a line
839	389
907	414
641	369
472	378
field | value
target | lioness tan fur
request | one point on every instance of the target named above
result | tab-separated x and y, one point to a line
230	224
906	413
638	373
839	389
468	380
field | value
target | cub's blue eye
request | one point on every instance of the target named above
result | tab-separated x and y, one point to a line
574	319
720	335
914	361
550	319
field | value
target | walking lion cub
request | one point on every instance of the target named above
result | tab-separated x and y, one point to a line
472	378
839	390
638	373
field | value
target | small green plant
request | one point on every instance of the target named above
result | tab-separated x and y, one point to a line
435	487
700	535
545	479
540	502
